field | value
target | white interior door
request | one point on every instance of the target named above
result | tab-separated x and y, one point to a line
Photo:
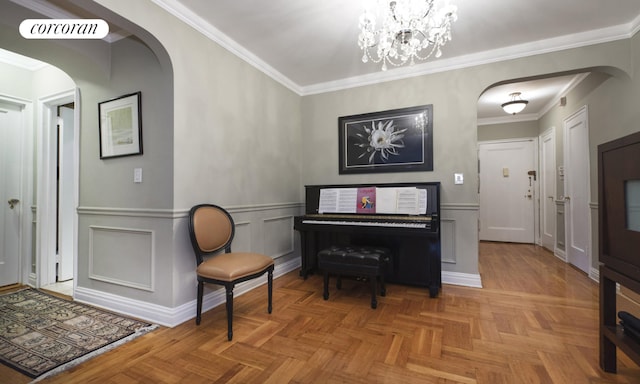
507	191
66	188
10	192
548	189
576	189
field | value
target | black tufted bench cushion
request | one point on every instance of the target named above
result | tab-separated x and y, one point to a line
366	261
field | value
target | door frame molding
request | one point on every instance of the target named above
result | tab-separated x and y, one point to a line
567	222
26	185
47	191
549	132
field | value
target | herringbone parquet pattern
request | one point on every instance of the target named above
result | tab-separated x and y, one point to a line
535	321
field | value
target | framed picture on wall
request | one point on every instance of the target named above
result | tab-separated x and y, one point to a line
399	140
120	126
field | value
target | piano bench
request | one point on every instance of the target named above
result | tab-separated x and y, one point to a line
358	261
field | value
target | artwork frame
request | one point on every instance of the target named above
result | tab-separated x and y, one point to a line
120	126
397	140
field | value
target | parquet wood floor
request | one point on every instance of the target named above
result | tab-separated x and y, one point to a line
535	321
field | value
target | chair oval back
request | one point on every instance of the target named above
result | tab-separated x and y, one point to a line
211	228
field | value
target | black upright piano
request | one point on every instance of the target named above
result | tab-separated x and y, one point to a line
413	238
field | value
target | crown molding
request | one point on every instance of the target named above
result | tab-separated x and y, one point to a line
178	10
175	8
577	79
20	61
521	117
183	13
481	58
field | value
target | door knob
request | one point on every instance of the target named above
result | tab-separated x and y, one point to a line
12	203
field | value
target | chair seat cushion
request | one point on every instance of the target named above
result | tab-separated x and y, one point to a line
233	266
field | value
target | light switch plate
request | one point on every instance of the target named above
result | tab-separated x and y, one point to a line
137	175
458	178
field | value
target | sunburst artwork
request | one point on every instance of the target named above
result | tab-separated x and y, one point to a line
391	141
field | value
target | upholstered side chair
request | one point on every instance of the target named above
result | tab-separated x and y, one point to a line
211	229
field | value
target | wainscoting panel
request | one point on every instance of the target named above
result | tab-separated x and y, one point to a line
448	240
459	244
122	256
242	238
278	236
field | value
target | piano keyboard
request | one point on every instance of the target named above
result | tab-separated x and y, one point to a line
368	223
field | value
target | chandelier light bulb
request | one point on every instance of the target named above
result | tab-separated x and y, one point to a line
411	30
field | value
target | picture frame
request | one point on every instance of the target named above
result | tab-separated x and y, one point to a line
120	126
398	140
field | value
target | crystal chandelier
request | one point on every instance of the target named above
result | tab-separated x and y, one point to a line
411	30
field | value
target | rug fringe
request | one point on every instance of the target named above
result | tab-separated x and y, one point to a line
90	355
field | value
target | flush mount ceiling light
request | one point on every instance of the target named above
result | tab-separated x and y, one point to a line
515	105
410	30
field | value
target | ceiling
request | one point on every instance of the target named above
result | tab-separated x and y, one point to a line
310	46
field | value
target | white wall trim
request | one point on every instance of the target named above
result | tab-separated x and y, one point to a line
204	27
463	279
176	213
92	274
594	274
555	44
459	206
46	175
171	317
448	249
291	240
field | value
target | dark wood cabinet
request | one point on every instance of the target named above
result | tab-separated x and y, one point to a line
619	241
611	334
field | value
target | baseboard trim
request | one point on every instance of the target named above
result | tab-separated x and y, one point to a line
171	317
560	254
166	316
463	279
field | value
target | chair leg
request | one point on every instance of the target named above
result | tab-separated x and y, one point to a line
270	284
229	289
199	302
325	293
374	288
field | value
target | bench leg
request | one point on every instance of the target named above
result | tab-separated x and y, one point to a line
374	288
383	288
325	293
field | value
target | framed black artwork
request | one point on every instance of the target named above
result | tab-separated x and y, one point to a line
399	140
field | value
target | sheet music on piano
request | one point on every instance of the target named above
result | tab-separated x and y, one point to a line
338	200
388	200
401	200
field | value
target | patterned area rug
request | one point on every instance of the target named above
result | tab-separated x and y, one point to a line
41	335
